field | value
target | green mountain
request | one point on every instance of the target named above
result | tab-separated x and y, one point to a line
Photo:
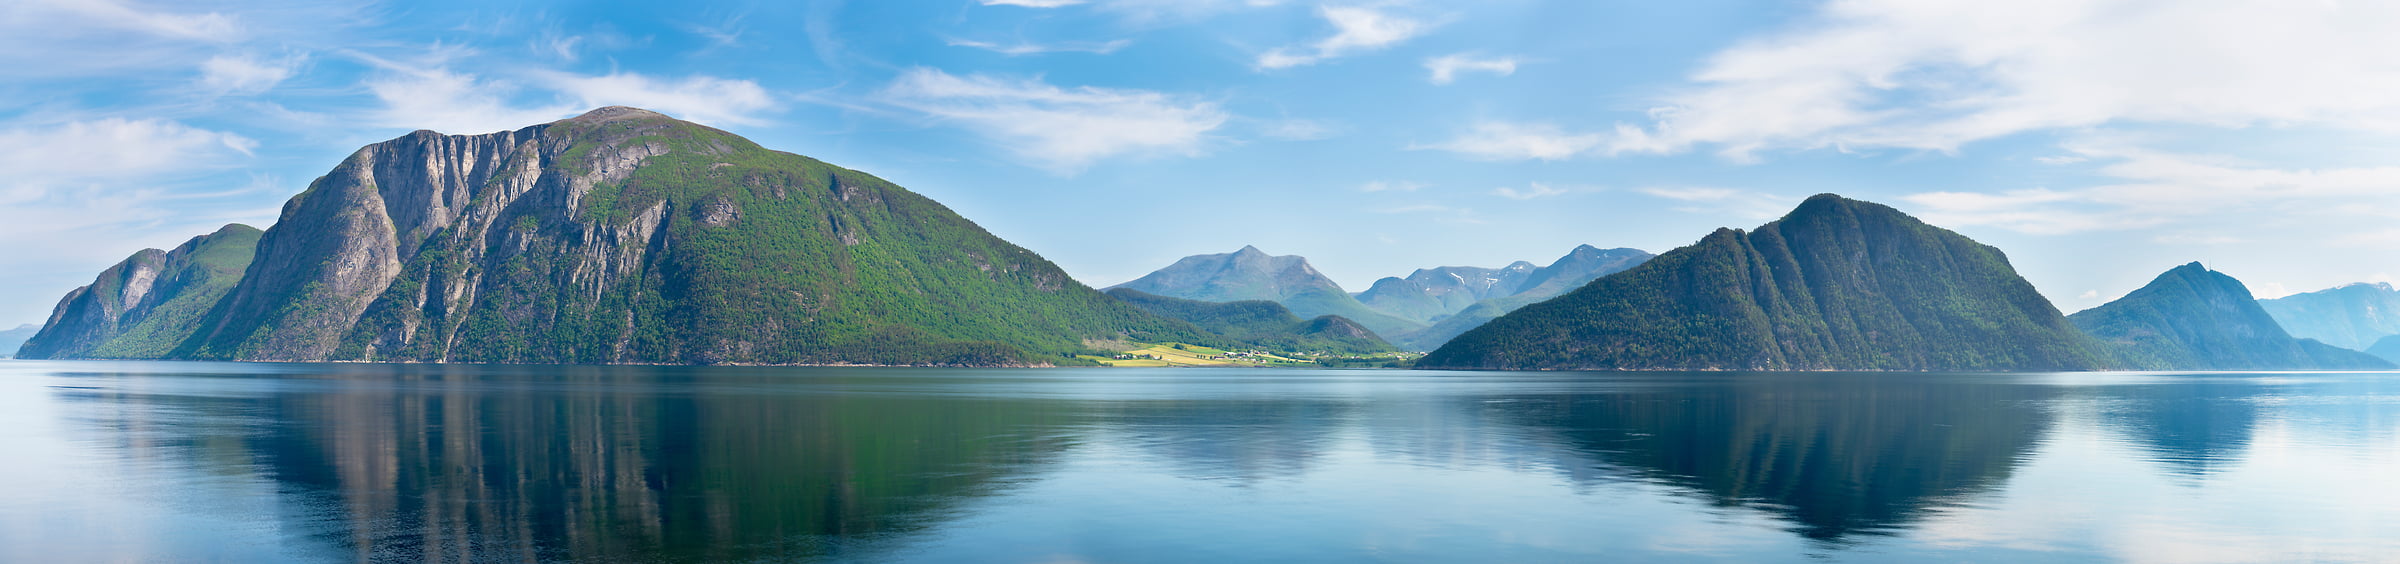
1837	284
2352	316
13	338
1579	267
618	236
1252	274
1262	324
2193	318
145	305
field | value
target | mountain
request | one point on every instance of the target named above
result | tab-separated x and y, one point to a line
2387	348
145	305
2193	318
626	236
1263	324
13	338
1837	284
2351	316
1579	267
1252	274
1430	294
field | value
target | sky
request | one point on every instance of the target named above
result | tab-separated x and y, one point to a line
2097	142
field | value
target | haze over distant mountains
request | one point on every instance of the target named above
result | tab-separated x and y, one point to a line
1417	312
2352	316
1252	274
2193	318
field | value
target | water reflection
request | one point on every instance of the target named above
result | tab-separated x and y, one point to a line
1834	454
369	463
445	465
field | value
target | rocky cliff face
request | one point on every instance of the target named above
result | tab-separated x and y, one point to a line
624	236
144	306
1837	284
2193	318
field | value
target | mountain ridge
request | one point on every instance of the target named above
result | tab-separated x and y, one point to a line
2193	318
1836	284
624	236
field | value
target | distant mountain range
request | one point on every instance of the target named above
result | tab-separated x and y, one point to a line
2193	318
1578	267
1252	274
13	338
626	236
2351	317
1837	284
1416	312
1263	323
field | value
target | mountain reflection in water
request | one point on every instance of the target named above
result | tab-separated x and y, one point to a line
452	463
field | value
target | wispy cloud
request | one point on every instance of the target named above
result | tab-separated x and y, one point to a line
225	74
703	99
1439	213
2147	188
1383	186
1934	75
1021	48
1064	129
1445	69
1032	3
1531	191
1510	141
1745	204
1356	29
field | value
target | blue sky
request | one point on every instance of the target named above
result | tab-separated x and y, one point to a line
2099	142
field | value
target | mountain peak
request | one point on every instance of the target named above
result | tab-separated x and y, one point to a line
616	113
1249	250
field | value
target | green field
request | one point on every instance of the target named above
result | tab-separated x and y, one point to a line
1180	354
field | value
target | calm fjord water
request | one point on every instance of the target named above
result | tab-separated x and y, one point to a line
161	462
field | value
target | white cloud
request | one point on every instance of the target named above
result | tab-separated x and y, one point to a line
210	27
1382	186
1356	29
1033	3
1445	68
702	99
2088	295
1022	49
77	193
243	75
1504	141
1724	201
1064	129
1298	130
1532	190
1936	74
451	102
41	158
454	103
2150	188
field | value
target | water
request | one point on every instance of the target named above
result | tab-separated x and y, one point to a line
173	462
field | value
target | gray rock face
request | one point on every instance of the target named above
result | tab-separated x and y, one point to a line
341	244
1580	266
142	307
